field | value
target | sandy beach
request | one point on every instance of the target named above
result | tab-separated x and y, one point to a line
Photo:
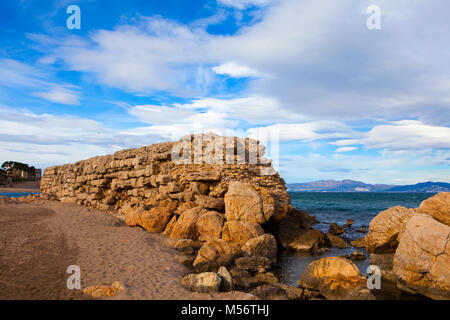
39	240
30	186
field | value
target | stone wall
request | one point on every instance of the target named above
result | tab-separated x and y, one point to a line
149	176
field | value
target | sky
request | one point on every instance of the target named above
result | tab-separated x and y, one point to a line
345	101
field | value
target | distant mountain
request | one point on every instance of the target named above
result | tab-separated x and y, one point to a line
358	186
429	186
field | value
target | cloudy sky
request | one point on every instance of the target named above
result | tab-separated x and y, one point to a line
346	102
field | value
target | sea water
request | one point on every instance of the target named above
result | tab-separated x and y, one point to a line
17	194
337	207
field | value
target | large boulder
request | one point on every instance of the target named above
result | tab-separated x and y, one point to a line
239	232
438	207
186	225
422	259
262	246
243	203
154	220
335	278
202	282
385	228
215	253
209	226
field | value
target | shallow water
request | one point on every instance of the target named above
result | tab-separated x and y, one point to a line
337	207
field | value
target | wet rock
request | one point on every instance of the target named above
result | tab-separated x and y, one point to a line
349	223
358	243
303	240
336	241
335	229
202	282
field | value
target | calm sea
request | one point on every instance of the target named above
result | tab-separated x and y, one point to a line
337	207
17	194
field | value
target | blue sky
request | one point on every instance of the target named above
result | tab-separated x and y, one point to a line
346	102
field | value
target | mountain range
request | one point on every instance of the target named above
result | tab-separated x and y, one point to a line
358	186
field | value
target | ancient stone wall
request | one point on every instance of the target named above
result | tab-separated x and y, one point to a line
149	178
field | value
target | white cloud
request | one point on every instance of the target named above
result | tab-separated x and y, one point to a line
243	4
308	131
60	96
346	149
16	74
235	70
407	135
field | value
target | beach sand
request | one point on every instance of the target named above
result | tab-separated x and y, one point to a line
39	240
30	186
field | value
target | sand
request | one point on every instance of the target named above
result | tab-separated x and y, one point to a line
30	186
39	240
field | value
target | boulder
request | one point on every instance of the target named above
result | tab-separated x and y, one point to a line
243	280
226	283
262	246
239	232
317	271
154	220
336	241
209	202
438	207
303	240
336	279
335	229
422	260
215	253
209	226
186	225
243	203
202	282
385	228
185	246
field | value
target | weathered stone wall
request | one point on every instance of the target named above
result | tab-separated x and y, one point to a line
148	175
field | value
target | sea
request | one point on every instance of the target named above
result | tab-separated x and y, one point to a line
17	194
329	207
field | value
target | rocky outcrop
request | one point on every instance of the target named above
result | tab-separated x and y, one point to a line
411	247
422	259
385	228
335	278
